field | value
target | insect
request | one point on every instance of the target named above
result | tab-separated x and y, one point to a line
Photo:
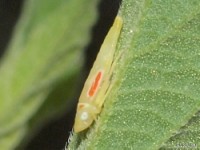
97	83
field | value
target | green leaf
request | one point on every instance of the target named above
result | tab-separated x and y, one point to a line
41	63
156	96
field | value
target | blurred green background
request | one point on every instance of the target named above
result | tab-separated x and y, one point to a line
52	131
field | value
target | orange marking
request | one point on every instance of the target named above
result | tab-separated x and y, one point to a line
81	105
95	84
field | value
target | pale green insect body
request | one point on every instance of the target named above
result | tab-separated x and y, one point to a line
97	83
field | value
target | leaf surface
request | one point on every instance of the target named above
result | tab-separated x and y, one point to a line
156	97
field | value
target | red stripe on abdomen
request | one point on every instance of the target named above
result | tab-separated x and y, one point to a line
95	84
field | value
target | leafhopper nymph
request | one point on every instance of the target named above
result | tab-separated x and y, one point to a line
97	83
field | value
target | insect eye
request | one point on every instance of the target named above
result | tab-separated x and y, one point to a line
84	116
